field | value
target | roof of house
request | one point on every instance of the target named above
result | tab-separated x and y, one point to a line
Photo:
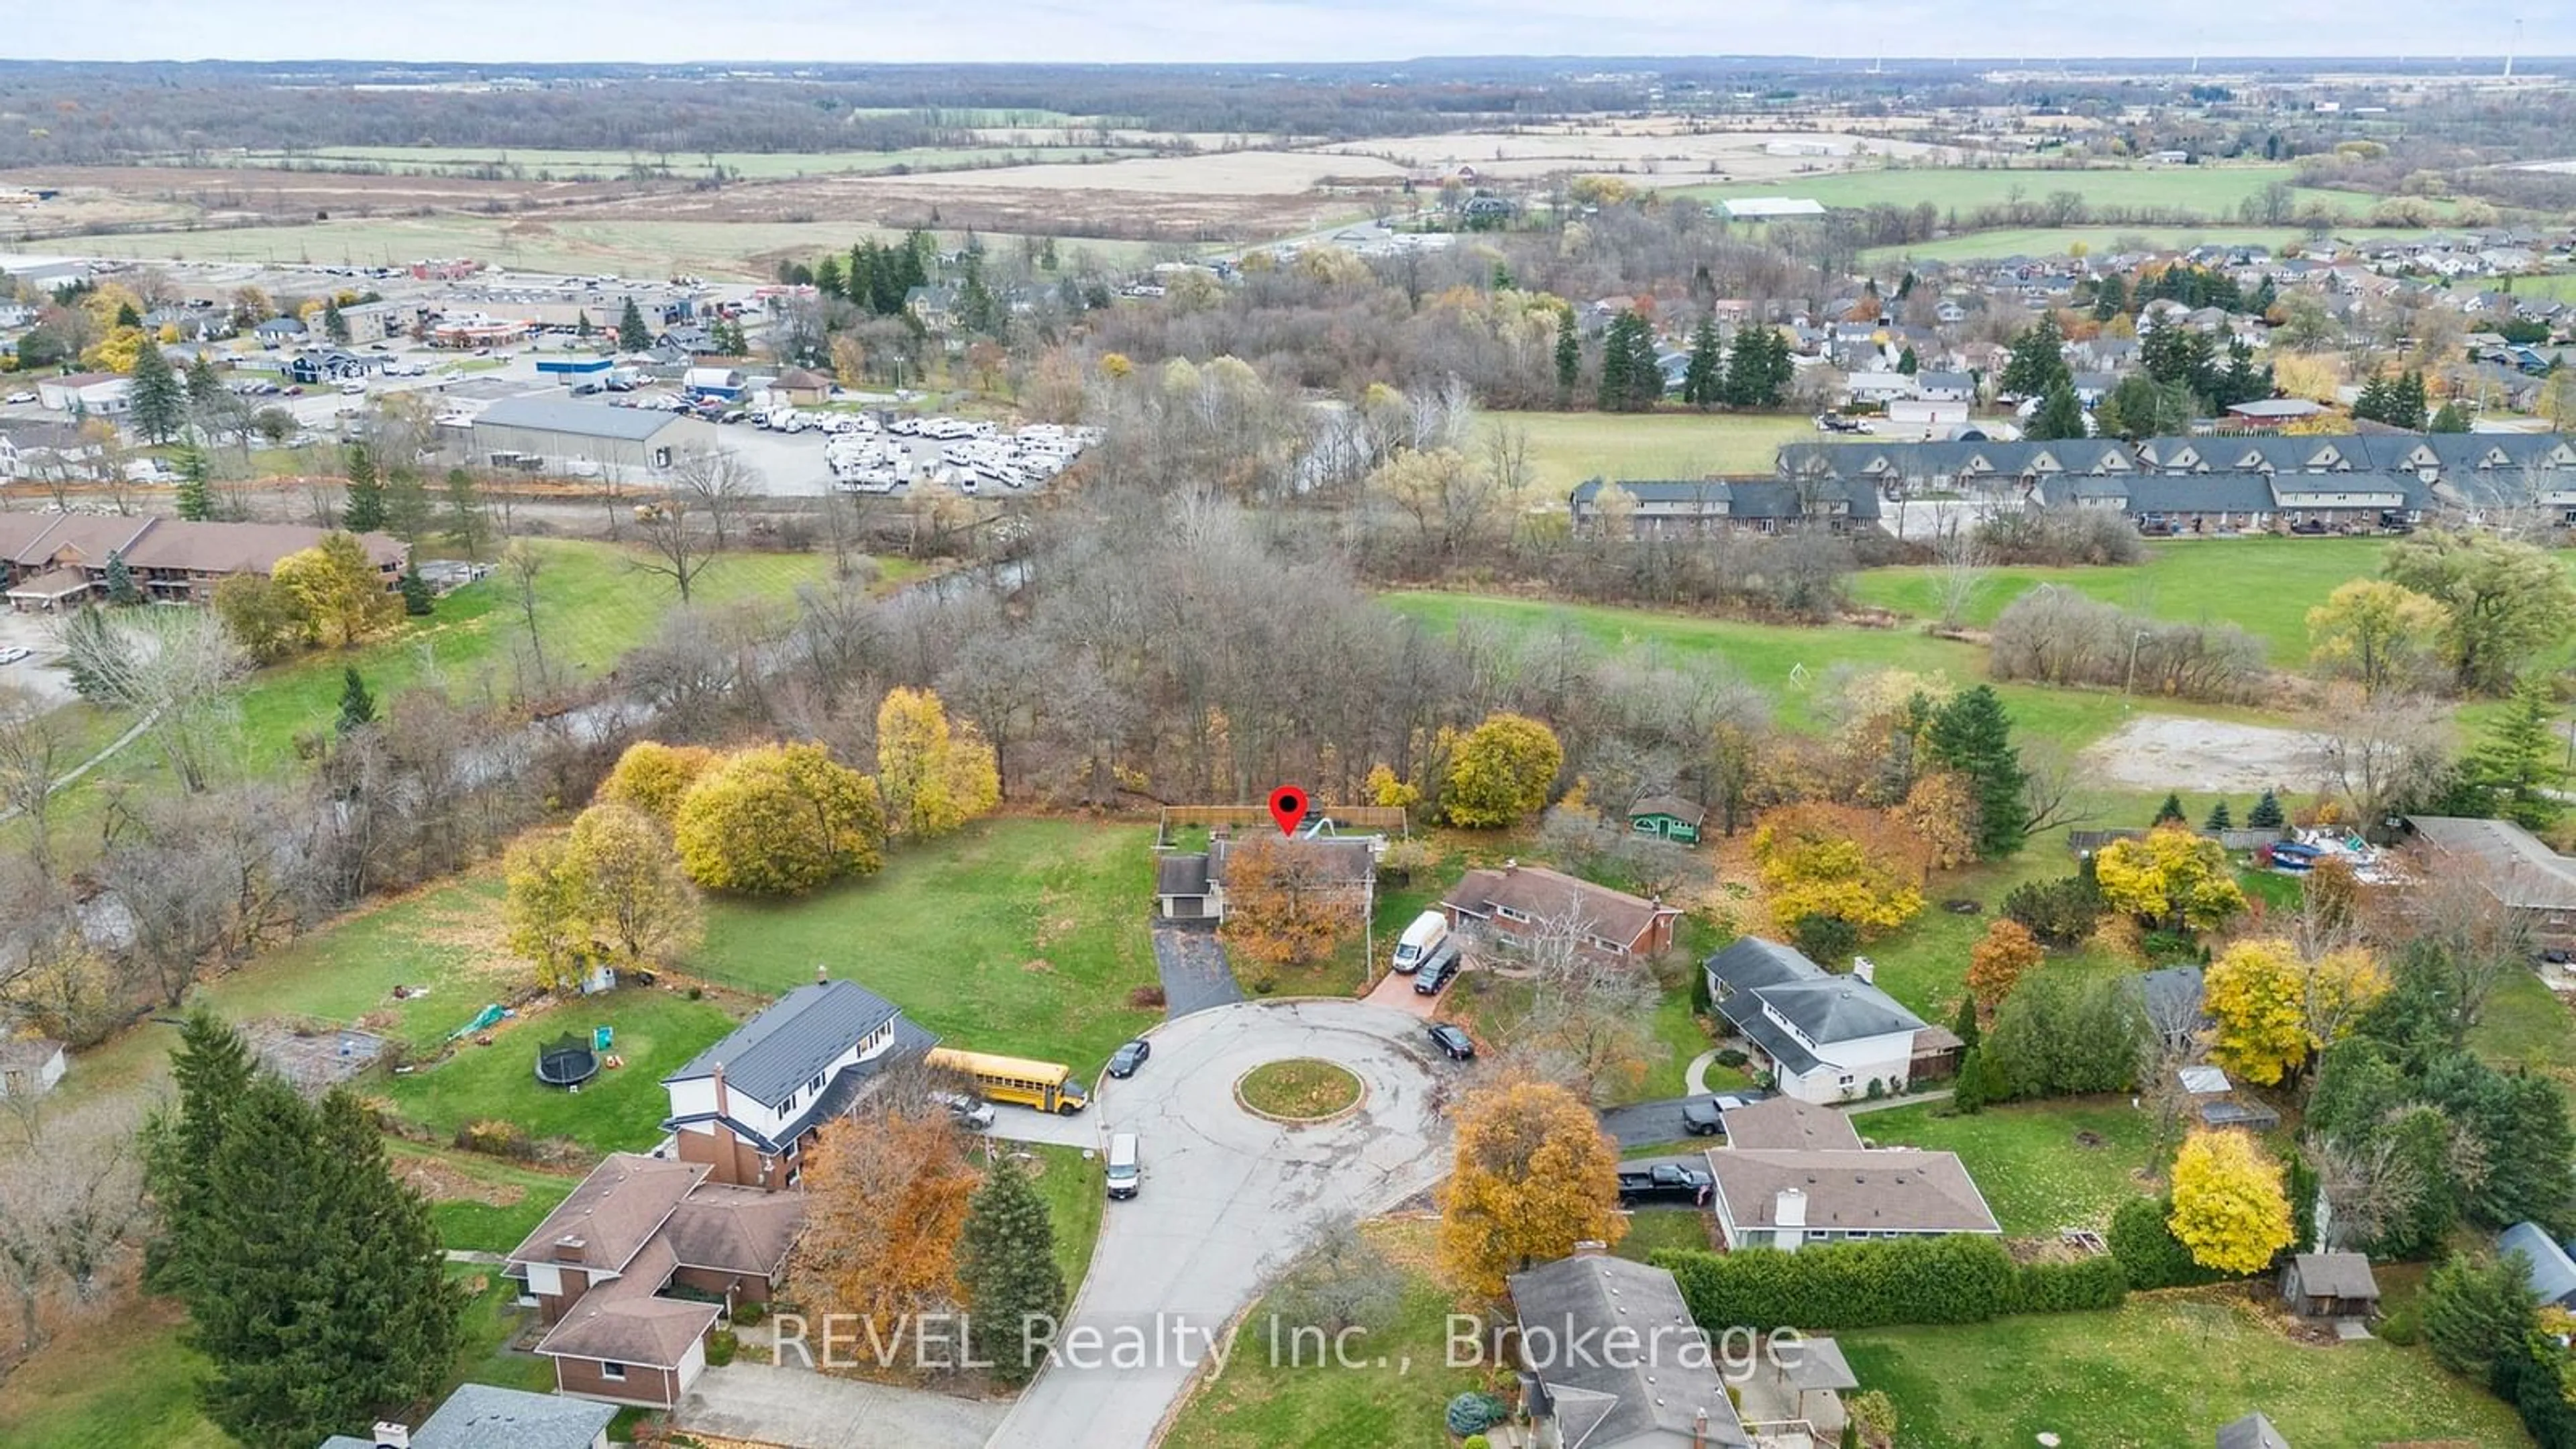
802	380
1784	1122
28	1051
1954	381
623	1321
1672	805
1654	1395
1543	894
480	1416
33	538
51	584
2251	1432
735	1229
2552	1275
615	1212
242	548
2335	1275
1824	1007
1819	1365
2516	865
581	419
1852	1189
792	1040
1335	859
1181	875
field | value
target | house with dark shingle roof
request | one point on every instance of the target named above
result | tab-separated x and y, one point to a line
482	1416
1528	900
1191	886
1822	1037
1610	1358
747	1106
2251	1432
1677	508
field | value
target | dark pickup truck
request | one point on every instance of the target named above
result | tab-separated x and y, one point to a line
1662	1182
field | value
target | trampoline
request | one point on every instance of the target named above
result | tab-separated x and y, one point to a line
567	1061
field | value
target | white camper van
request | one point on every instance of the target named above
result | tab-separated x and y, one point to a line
1427	931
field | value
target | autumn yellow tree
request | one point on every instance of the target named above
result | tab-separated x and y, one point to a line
779	820
886	1198
934	776
338	589
652	776
1852	864
1998	960
1941	810
2382	634
2275	1009
545	910
1288	903
634	891
2171	878
2229	1209
1533	1175
1500	772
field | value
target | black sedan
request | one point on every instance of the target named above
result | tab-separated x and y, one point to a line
1453	1043
1124	1061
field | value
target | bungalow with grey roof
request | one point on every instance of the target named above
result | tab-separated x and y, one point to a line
1822	1037
1610	1358
1794	1173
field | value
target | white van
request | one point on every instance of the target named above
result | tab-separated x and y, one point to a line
1124	1174
1427	931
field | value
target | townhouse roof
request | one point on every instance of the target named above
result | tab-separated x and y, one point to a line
792	1040
615	1212
1655	1395
1785	1123
242	548
33	538
1545	895
1852	1189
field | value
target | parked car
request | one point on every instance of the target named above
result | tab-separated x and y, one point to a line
21	397
1661	1182
14	653
2309	527
971	1114
1700	1117
1124	1061
1419	940
1126	1173
1453	1043
1730	1101
1437	970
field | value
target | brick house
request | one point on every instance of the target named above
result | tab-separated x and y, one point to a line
1525	900
746	1107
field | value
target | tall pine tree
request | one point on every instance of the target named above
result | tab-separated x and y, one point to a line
212	1068
357	706
1700	383
1972	736
2060	414
2516	765
158	398
1006	1265
2038	361
196	498
365	510
632	334
1569	357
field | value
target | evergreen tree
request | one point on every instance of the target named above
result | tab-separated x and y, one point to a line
582	327
364	512
466	525
2266	293
2516	765
334	325
2451	419
126	316
159	398
1963	1022
632	334
417	599
1569	356
1700	383
2219	819
321	1296
2169	813
2060	414
1006	1265
212	1068
196	496
357	706
407	507
1908	363
2410	401
2242	381
2110	299
205	389
2180	356
1632	379
1972	736
2266	814
2037	362
120	581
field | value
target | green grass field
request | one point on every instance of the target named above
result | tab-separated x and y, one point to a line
657	1031
2162	1371
728	250
1567	448
522	1195
1076	1193
2212	191
2037	1173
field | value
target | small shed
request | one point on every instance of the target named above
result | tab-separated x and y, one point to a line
30	1066
2252	1115
802	387
2205	1081
1667	817
2251	1432
1815	1376
2330	1285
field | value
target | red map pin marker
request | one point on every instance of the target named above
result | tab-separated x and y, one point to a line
1288	806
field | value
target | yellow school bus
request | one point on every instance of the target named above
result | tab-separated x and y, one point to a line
1047	1086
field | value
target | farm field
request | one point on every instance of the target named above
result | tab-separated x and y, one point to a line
2160	1371
534	163
2212	191
1567	448
2042	1166
639	245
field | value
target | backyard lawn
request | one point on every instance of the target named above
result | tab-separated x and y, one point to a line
480	1203
2162	1371
2042	1165
1566	448
1075	1193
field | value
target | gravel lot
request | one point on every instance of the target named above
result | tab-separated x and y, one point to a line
2168	752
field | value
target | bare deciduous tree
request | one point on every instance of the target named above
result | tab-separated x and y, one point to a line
2380	752
71	1208
716	484
170	666
2367	1188
520	567
1590	1024
31	758
1963	563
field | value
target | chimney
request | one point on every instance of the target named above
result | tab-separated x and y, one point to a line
822	973
1699	1429
390	1435
724	1103
1590	1248
1865	969
571	1249
1789	1219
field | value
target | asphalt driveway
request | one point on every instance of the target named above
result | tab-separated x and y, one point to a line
1194	970
1227	1200
800	1409
1643	1124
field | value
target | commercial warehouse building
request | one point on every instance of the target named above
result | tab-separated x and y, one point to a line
586	440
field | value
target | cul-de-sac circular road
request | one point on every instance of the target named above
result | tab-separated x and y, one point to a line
1228	1200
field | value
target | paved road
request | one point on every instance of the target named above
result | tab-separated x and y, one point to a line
1195	974
1228	1199
790	1406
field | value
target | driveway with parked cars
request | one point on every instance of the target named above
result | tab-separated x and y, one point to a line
1644	1124
1228	1199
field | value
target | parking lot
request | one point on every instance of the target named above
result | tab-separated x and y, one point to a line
39	674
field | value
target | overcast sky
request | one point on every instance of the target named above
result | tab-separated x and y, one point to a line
1233	30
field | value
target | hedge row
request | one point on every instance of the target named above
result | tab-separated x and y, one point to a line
1962	1279
2149	1253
